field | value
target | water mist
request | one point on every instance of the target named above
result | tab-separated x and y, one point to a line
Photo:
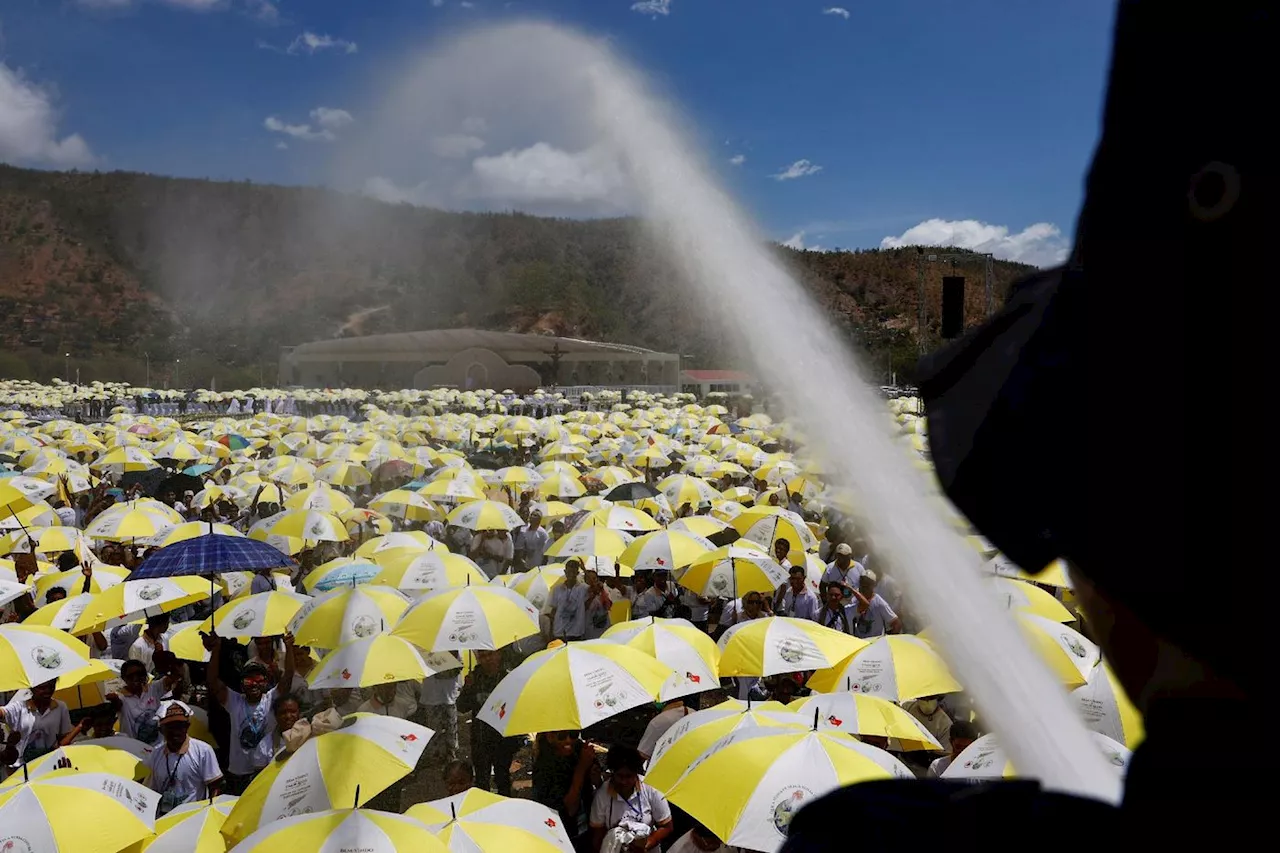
744	287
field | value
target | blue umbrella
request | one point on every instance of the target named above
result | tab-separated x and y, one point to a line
197	470
211	554
349	575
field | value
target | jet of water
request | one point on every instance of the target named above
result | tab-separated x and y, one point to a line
796	352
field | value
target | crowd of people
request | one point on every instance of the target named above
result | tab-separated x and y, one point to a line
211	723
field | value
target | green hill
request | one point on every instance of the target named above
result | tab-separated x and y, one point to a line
123	269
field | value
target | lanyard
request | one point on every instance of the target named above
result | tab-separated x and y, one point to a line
168	783
637	807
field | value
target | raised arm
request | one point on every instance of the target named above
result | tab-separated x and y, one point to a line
218	690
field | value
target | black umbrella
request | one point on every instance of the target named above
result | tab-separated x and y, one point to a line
632	492
149	480
484	460
179	483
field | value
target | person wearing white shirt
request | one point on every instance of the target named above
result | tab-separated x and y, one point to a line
438	709
531	542
150	641
795	599
492	550
625	800
139	703
837	615
569	605
844	570
963	734
37	723
700	840
873	615
183	770
253	724
390	700
781	552
671	713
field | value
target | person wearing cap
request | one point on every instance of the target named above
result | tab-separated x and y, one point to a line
1022	411
843	570
183	770
252	730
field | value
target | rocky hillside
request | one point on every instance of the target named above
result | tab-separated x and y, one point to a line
123	270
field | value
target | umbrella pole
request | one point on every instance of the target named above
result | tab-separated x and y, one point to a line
213	611
356	804
816	711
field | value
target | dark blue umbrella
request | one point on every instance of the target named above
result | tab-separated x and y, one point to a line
211	554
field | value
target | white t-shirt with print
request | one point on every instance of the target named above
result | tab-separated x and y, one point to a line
646	806
39	732
875	622
183	777
253	729
139	715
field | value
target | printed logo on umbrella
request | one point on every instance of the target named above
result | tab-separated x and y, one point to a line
346	674
364	626
46	657
833	720
15	844
150	592
785	805
244	619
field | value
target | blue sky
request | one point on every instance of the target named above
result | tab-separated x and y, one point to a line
964	122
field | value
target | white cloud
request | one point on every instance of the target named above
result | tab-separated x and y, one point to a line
298	131
456	145
837	10
437	3
796	241
798	169
310	42
282	145
1041	244
330	118
467	4
542	173
29	126
737	159
264	10
652	7
383	189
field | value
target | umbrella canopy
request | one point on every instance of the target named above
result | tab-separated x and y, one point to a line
775	645
985	759
193	828
866	716
31	655
693	734
898	668
665	551
573	686
733	571
748	786
135	599
473	617
486	515
83	759
347	613
1106	709
478	820
343	829
211	554
263	614
429	571
340	572
677	643
380	659
70	812
367	755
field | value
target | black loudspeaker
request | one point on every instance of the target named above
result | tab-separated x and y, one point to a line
952	306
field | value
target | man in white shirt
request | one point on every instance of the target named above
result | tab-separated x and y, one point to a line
438	709
626	800
390	701
183	770
844	570
150	641
873	615
252	722
531	542
569	605
837	615
37	723
672	712
795	599
139	703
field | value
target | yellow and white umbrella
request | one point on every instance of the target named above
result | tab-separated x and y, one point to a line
591	542
430	571
192	828
486	515
362	830
31	655
665	551
688	650
472	617
121	460
404	504
61	614
368	754
748	786
1106	708
454	492
140	519
898	667
1019	595
81	758
561	486
682	489
985	759
190	530
185	641
694	733
573	686
402	540
263	614
733	571
307	524
779	644
320	497
622	518
132	600
766	525
1070	655
866	716
699	525
379	659
1055	574
70	812
72	580
347	613
536	584
341	472
477	820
